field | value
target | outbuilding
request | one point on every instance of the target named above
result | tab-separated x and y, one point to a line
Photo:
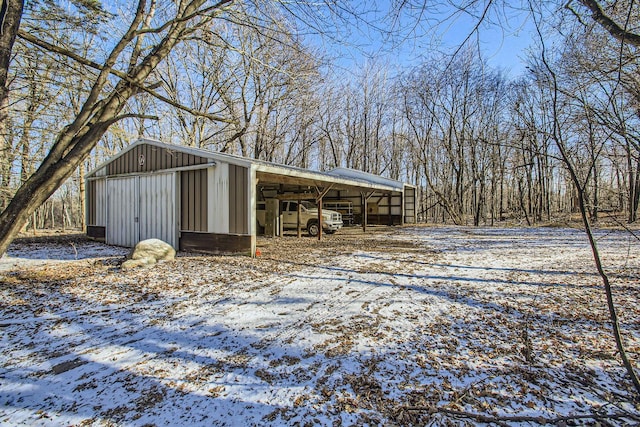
205	201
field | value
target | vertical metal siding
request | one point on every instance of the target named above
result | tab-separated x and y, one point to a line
155	158
122	211
233	191
157	208
100	202
184	201
197	211
141	208
204	205
410	205
218	198
91	202
238	202
193	206
203	197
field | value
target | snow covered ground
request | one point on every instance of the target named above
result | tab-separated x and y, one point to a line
402	326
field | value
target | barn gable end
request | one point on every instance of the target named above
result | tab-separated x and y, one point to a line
152	189
150	158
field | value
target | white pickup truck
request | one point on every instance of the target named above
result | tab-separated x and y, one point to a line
331	220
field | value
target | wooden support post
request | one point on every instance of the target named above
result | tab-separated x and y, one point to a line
271	218
364	213
365	198
320	219
298	221
402	209
321	194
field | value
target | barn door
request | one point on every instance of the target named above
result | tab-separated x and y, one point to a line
141	207
123	227
157	209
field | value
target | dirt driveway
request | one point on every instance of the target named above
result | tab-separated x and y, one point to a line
400	326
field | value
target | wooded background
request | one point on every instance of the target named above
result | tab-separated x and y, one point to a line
477	142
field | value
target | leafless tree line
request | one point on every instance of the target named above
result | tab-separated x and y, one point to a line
477	143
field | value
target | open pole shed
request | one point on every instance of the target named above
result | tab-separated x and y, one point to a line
198	200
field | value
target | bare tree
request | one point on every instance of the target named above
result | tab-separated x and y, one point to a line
605	74
105	102
189	78
568	156
455	111
331	109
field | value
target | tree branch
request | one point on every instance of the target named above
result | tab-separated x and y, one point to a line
132	116
189	110
120	74
609	24
220	5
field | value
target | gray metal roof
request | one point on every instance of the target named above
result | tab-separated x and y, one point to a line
338	176
365	177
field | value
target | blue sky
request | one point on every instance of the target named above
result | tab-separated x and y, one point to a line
503	38
503	44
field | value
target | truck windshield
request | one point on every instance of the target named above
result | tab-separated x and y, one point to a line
308	205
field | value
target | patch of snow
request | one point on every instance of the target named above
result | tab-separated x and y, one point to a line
25	255
399	326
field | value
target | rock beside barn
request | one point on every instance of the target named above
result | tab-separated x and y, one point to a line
148	252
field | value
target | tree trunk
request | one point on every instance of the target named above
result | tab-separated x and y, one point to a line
82	197
40	186
634	189
581	201
10	15
608	291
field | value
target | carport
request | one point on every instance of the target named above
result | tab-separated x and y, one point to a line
362	198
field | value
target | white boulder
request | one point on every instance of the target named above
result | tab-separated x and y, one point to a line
148	252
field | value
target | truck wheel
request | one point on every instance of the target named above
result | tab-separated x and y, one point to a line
313	229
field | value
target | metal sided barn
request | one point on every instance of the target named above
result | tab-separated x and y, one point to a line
198	200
